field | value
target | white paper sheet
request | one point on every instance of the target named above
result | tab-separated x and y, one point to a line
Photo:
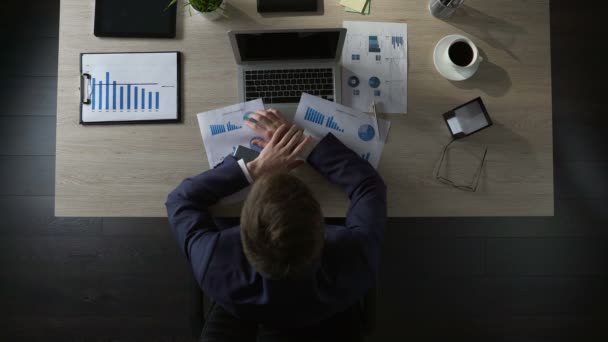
120	80
454	125
223	129
354	128
374	66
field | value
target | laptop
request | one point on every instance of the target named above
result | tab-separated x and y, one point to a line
279	65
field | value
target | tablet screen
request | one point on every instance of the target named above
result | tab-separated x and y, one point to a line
287	6
134	18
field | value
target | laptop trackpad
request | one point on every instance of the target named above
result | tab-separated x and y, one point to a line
288	109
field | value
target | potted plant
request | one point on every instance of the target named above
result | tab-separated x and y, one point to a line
209	9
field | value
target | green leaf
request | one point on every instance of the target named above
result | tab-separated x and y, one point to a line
200	5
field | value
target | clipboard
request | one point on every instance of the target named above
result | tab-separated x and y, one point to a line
130	87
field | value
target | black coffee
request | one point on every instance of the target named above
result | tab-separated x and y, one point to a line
461	53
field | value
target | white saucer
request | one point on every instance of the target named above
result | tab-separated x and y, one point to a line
449	71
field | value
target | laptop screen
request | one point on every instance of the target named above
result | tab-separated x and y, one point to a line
285	46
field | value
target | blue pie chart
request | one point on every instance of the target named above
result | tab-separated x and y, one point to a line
374	82
246	117
366	132
353	81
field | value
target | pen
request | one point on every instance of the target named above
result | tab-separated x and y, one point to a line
375	120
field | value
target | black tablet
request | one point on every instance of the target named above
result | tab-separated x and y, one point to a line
134	18
467	119
270	6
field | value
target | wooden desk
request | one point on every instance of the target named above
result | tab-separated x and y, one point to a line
128	170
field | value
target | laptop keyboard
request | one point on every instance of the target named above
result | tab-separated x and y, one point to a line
287	85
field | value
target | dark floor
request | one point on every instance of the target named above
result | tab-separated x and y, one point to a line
489	279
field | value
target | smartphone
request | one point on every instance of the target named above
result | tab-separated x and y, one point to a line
245	153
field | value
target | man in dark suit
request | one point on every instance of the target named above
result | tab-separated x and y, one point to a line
283	270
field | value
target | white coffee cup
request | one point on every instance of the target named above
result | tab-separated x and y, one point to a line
465	59
464	68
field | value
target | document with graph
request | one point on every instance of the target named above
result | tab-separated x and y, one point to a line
223	129
374	66
354	128
130	87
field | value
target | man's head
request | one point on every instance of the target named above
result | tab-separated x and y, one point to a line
282	227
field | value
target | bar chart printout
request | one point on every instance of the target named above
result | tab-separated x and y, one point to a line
131	87
223	129
357	130
381	69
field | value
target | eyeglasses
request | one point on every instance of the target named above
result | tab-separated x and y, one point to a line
472	187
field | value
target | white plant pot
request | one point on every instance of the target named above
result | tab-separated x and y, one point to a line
213	15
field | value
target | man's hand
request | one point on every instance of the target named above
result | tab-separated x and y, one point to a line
280	154
266	123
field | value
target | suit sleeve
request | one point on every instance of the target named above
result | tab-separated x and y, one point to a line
366	216
188	211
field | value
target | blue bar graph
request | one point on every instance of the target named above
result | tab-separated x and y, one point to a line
99	99
365	156
128	97
107	90
314	116
116	98
333	125
121	97
232	127
114	95
397	41
93	95
217	129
